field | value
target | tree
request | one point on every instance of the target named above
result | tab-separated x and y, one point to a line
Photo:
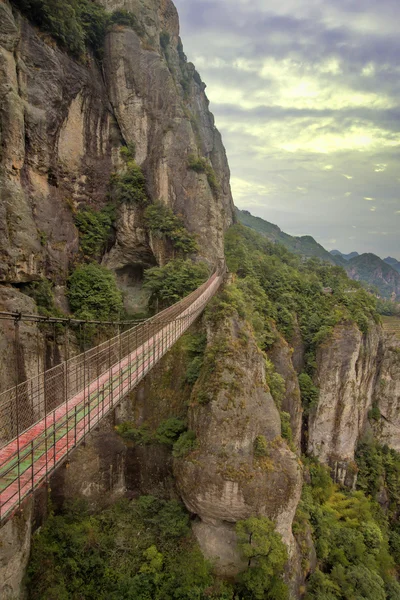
266	555
175	280
92	290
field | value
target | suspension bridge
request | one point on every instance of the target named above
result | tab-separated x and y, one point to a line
43	419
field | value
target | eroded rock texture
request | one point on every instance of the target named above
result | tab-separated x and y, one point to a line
62	124
15	544
387	394
282	357
346	375
226	479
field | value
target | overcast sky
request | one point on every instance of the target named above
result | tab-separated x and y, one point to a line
306	94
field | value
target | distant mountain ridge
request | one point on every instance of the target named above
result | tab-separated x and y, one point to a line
302	246
379	275
345	256
393	262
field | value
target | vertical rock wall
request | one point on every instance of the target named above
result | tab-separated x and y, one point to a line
227	477
346	376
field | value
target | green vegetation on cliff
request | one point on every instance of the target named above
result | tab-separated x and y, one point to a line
93	293
378	276
75	24
163	223
274	286
351	537
144	550
266	556
129	186
201	165
94	229
175	280
141	550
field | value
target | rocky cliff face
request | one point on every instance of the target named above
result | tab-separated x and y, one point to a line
285	359
63	122
241	466
386	425
346	375
355	373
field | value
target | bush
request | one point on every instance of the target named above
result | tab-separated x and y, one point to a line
94	229
201	165
140	436
161	221
128	152
42	294
374	414
309	392
94	21
169	431
174	281
123	17
92	291
275	382
286	427
130	186
185	444
165	39
260	446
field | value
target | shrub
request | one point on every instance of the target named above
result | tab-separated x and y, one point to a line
72	24
128	152
92	290
309	392
94	229
276	383
193	371
260	446
130	186
169	431
201	165
42	294
138	435
123	17
94	21
161	220
185	444
286	427
175	280
374	414
165	39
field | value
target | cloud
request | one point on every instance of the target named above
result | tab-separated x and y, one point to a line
307	98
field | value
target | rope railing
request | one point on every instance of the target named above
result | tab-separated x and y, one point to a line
45	417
